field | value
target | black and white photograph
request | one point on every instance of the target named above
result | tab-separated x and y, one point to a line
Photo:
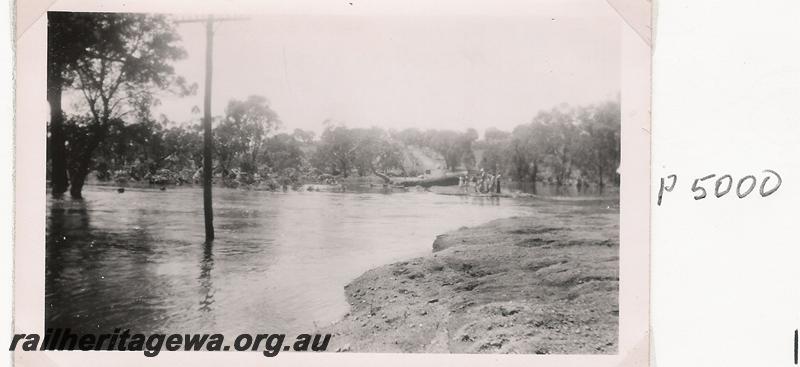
391	183
547	183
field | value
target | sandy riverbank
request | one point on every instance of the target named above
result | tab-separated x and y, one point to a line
545	284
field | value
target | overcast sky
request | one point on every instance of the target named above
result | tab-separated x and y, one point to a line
396	72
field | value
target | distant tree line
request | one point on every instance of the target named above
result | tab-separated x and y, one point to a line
563	145
116	64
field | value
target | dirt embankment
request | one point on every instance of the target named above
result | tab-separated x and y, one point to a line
542	284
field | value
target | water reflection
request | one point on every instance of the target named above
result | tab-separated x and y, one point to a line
206	266
91	271
139	260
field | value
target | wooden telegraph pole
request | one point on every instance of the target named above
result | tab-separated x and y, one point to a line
208	141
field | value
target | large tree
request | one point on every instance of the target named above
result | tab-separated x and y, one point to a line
455	147
283	152
337	149
66	44
368	151
124	59
244	131
495	146
527	148
600	141
375	151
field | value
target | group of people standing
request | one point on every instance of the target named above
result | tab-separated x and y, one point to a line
481	183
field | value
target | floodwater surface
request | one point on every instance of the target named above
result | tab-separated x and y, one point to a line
279	263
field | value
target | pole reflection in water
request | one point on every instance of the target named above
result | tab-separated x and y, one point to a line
206	287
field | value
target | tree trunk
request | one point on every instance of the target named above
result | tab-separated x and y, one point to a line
82	163
58	153
80	169
533	175
77	179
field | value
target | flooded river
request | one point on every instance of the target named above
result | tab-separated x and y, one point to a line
279	264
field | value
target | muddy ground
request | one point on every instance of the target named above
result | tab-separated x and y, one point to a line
544	284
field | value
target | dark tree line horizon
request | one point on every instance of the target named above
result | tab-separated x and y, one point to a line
116	63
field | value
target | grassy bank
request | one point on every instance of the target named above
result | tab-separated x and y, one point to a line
542	284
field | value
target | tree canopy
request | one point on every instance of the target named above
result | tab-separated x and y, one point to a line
115	61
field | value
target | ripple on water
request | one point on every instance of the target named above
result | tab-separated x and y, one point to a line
280	261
